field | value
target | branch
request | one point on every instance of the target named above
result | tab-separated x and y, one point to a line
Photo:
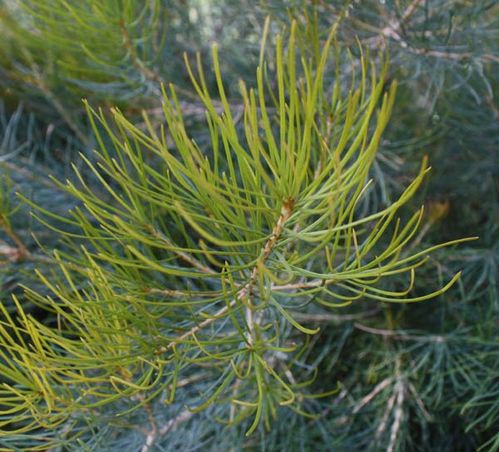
221	312
399	335
326	317
286	211
399	413
20	252
172	424
155	433
302	285
366	399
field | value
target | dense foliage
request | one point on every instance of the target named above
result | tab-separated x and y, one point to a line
177	291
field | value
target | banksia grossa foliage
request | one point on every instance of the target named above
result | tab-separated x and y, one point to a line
196	258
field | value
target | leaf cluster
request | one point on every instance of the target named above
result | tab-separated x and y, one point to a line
203	257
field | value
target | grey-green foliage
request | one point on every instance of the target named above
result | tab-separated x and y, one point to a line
198	264
28	153
445	55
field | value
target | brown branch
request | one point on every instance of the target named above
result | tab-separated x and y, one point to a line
174	293
392	31
386	415
155	432
286	210
409	11
184	416
394	26
420	403
20	252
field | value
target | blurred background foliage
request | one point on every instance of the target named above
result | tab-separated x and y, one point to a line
419	377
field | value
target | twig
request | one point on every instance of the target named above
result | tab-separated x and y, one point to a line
302	285
326	317
388	410
366	399
286	210
409	11
394	26
174	293
20	252
172	424
399	335
420	403
394	405
399	413
153	433
197	328
392	31
184	416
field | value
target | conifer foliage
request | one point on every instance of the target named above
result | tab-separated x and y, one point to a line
243	264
